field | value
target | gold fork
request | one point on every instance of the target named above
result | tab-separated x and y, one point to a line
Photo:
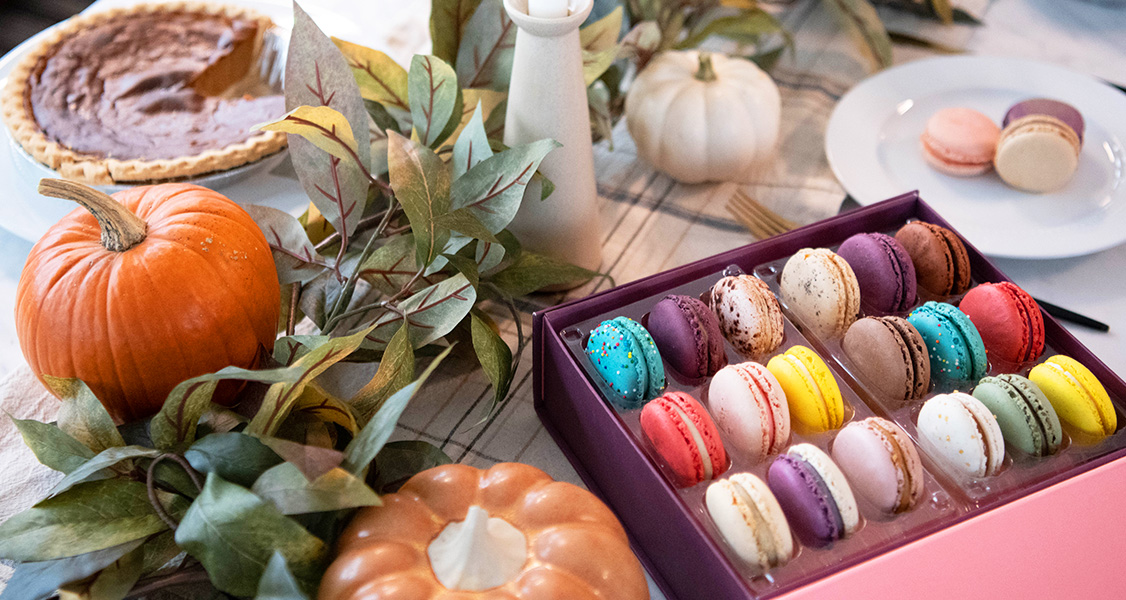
758	219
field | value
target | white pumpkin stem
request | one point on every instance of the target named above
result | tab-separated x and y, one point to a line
706	72
121	229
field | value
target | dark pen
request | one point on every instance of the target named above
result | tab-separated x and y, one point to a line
1072	317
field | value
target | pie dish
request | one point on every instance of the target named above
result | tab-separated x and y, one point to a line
149	93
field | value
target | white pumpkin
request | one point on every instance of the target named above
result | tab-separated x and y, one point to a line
702	117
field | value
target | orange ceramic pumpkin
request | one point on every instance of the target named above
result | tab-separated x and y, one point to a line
509	533
168	282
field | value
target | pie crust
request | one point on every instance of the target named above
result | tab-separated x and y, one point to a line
15	106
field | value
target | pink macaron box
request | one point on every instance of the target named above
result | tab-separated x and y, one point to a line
670	527
1019	472
877	531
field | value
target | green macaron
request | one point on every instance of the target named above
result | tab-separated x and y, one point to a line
1028	421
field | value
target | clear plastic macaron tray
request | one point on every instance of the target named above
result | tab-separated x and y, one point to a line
948	496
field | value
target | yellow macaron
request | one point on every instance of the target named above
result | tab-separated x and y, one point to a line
1080	401
812	393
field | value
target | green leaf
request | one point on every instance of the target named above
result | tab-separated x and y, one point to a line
311	461
83	416
434	98
466	266
380	78
287	488
422	185
383	121
90	516
363	448
234	533
281	397
322	126
176	422
277	583
294	255
105	459
391	266
596	63
448	19
399	461
431	313
488	255
40	580
472	146
531	272
747	28
316	74
396	370
603	33
111	583
236	457
484	58
601	118
861	16
465	222
494	355
292	347
493	188
160	550
52	446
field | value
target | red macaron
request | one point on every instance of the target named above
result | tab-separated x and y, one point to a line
684	437
1008	320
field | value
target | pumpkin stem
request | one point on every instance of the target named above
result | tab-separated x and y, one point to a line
121	229
706	72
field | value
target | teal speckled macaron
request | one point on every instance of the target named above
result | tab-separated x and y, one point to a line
626	357
1027	419
953	343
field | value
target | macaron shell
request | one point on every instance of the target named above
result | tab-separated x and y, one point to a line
1008	319
942	265
806	501
821	288
955	348
1080	401
891	355
881	464
750	519
653	364
960	140
687	335
683	435
963	433
1027	420
883	269
979	361
620	360
750	410
748	313
814	399
834	479
1052	108
1037	154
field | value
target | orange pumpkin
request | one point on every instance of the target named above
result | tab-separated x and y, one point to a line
573	546
144	289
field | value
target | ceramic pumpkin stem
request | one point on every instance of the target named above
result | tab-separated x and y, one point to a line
121	229
706	72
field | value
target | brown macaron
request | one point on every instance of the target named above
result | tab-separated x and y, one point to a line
891	356
942	265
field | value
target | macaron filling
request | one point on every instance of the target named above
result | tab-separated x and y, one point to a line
694	433
916	356
655	370
763	529
766	410
826	505
824	409
901	273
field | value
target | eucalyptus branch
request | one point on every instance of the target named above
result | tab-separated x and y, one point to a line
345	296
291	318
146	587
150	485
365	224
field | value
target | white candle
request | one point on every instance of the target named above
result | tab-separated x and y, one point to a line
547	9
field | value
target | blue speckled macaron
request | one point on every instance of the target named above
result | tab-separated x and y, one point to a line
953	343
624	354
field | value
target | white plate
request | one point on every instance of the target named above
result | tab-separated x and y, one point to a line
872	146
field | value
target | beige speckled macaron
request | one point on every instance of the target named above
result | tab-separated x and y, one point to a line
821	288
1037	153
748	313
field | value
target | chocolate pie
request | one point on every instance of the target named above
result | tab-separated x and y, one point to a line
149	93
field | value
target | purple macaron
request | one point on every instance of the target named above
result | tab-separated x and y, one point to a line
687	334
883	269
814	494
1045	106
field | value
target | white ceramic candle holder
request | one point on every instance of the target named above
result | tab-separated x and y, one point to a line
547	99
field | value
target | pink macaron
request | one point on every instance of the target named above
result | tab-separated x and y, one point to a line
881	464
960	141
750	410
